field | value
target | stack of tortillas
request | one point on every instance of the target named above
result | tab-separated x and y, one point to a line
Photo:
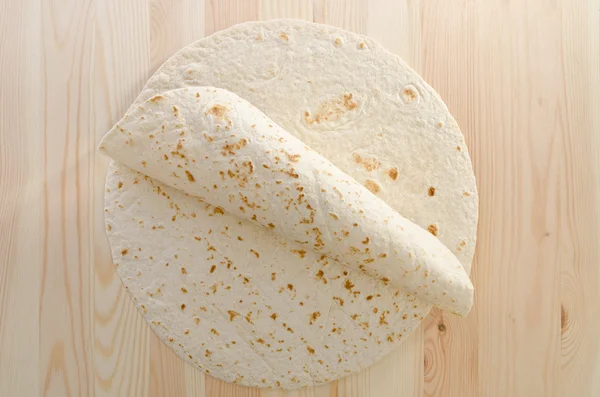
287	201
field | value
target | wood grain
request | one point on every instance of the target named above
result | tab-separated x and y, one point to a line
21	187
522	80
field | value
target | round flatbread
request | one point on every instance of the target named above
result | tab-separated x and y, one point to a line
275	318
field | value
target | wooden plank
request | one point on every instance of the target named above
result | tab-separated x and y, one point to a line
120	68
66	301
579	215
21	187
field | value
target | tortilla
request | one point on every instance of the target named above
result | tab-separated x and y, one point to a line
212	144
395	136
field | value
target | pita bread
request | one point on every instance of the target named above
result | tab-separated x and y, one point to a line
212	144
399	141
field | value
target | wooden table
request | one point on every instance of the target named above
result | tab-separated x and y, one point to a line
521	77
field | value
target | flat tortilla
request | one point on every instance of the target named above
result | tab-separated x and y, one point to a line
394	135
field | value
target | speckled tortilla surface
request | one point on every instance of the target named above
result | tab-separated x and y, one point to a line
264	316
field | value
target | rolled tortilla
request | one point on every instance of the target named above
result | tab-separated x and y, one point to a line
212	144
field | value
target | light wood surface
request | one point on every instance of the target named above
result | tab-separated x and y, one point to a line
521	77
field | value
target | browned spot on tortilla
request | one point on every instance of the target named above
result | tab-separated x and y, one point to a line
362	46
255	253
293	157
218	210
337	42
393	173
124	252
320	276
368	163
175	111
248	317
197	94
372	186
369	297
232	314
340	300
250	166
259	37
219	111
214	331
230	148
348	285
366	241
166	157
466	194
284	37
183	306
458	148
109	227
431	191
409	94
190	177
310	350
183	271
120	184
300	253
433	229
292	173
334	216
332	110
156	98
212	268
314	316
